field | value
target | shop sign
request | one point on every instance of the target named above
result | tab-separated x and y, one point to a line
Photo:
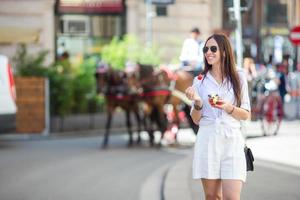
274	31
90	6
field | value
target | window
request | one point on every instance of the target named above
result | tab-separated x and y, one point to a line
280	14
106	26
161	11
75	25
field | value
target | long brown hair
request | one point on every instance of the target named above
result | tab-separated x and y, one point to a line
228	68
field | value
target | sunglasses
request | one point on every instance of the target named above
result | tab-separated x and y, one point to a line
213	49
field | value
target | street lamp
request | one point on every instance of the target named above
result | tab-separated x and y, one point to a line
149	16
235	15
238	32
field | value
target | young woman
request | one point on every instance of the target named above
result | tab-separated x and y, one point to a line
221	100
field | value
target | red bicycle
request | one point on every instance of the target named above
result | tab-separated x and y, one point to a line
271	113
267	105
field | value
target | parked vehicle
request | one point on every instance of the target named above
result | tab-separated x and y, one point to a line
8	106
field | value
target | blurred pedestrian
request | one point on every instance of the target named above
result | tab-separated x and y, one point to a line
269	64
282	70
61	49
250	72
191	56
219	159
293	95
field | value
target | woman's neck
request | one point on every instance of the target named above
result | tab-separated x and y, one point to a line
216	73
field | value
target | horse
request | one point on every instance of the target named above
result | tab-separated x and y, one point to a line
154	93
159	87
113	85
178	81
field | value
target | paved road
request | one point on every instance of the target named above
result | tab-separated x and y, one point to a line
277	168
77	169
274	182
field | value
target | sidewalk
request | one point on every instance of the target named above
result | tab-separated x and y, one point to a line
283	149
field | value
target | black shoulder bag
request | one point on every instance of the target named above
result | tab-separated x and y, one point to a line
249	158
248	153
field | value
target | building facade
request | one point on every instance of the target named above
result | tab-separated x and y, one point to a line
171	23
266	28
82	27
27	21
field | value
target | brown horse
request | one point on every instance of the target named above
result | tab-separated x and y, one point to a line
155	94
113	84
178	81
158	87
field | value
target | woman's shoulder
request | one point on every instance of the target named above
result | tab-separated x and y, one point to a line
199	81
196	80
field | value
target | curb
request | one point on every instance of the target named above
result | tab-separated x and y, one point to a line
177	182
179	185
152	188
61	135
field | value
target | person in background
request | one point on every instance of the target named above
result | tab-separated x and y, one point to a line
191	56
282	71
269	64
220	100
250	72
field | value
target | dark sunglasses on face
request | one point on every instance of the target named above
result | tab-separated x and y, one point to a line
213	49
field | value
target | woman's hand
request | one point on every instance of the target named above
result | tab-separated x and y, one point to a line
222	104
192	95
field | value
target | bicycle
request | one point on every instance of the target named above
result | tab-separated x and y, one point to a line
267	104
271	113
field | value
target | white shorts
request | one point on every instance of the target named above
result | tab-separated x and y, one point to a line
217	156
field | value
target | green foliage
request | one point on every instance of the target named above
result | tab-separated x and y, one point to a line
120	51
97	103
72	88
85	85
61	91
114	54
30	65
149	55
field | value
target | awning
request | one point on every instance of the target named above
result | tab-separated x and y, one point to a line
90	6
10	34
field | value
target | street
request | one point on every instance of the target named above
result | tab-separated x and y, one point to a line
267	182
74	71
77	168
277	167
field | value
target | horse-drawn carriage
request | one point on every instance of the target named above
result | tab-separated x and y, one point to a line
145	91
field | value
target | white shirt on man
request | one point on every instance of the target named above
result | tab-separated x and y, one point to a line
191	51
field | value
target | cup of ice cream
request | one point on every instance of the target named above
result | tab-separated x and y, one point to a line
213	99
